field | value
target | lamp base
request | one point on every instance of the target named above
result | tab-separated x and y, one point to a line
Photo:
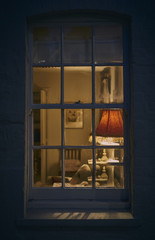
104	174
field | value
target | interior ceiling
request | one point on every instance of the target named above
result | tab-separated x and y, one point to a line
73	68
42	82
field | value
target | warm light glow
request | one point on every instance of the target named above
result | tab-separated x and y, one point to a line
111	124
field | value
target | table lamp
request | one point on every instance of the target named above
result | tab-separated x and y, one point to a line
109	128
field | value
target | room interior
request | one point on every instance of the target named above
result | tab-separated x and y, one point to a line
77	127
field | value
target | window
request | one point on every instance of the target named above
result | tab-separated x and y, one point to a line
78	121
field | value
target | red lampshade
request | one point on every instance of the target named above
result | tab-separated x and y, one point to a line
111	124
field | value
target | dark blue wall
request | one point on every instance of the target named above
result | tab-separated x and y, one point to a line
13	16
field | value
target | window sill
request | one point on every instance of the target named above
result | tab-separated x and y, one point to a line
79	219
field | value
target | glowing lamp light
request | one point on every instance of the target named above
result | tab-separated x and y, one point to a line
111	124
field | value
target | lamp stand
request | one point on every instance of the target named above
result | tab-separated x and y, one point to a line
104	174
104	159
104	156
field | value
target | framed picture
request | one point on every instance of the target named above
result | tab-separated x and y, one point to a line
73	118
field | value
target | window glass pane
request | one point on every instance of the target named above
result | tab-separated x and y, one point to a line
78	125
77	85
77	44
47	169
109	127
109	84
46	85
77	169
108	43
47	127
46	45
109	176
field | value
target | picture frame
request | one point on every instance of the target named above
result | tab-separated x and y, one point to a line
73	118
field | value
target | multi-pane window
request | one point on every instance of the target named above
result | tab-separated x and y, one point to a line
78	129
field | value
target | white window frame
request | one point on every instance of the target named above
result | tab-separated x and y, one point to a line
74	198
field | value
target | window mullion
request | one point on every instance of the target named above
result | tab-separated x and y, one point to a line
62	110
93	68
62	148
30	114
93	110
78	106
30	152
31	67
77	147
94	150
62	67
77	64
